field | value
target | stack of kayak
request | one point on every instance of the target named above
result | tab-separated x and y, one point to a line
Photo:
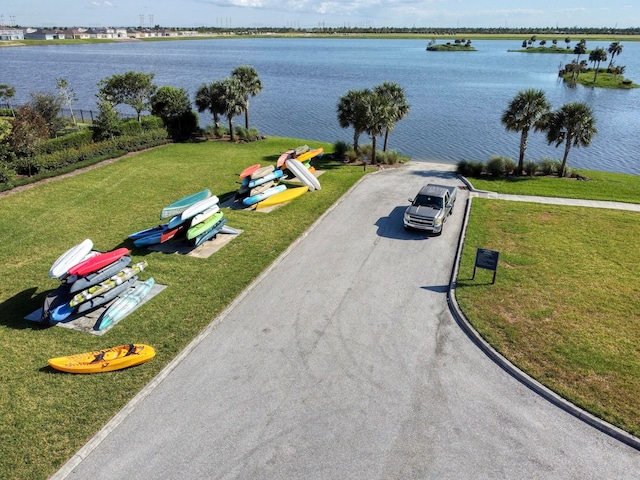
193	219
90	279
260	185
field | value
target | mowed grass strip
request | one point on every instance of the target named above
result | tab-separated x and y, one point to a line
614	187
46	416
566	302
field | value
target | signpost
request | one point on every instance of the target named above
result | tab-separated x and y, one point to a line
487	259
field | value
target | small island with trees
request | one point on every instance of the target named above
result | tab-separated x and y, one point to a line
458	45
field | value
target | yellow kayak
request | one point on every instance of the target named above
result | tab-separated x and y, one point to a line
282	197
309	154
115	358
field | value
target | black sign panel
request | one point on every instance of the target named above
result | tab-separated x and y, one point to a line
487	259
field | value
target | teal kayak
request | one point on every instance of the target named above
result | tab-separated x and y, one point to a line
179	206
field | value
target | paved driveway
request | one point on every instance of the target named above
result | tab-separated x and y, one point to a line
344	362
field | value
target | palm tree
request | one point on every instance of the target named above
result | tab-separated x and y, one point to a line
379	116
351	112
596	56
209	97
529	108
250	84
397	102
580	49
614	49
233	100
572	124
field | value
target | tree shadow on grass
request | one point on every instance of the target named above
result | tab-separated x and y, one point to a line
14	309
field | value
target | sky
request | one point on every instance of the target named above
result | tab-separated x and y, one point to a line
321	13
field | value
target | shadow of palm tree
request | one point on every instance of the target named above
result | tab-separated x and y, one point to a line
14	309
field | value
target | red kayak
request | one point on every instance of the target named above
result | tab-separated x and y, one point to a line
249	170
97	262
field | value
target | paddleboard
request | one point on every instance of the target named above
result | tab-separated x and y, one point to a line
203	226
95	263
124	305
226	229
310	154
193	210
114	358
283	158
300	150
304	175
212	232
274	175
180	205
79	284
249	170
201	217
261	188
262	171
117	279
282	197
261	196
64	311
69	258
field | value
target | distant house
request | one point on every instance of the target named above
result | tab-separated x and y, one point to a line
44	34
77	33
11	34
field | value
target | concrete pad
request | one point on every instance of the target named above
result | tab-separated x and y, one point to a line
205	250
86	323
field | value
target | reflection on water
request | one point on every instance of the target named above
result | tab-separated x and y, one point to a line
456	97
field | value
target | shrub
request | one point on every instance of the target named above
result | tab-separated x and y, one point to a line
549	166
7	175
510	166
530	167
340	149
151	123
495	166
477	169
464	168
71	140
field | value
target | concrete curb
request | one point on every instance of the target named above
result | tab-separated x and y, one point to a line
119	417
511	369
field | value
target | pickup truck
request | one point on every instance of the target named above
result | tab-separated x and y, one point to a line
430	208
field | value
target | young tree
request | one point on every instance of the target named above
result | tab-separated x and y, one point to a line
529	108
49	106
29	129
107	124
596	56
131	88
399	108
172	105
351	113
250	85
7	93
68	96
574	125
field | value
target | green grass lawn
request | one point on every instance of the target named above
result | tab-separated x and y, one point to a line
618	187
46	416
566	302
603	80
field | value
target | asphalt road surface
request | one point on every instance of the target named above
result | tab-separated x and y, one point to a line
343	362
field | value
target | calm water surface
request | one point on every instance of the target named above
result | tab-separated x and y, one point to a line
456	98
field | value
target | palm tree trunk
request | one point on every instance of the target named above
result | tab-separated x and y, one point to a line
563	167
373	152
246	116
356	136
230	129
386	140
524	139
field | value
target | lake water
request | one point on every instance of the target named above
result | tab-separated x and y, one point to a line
456	98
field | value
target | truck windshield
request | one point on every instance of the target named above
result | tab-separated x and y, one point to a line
428	201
